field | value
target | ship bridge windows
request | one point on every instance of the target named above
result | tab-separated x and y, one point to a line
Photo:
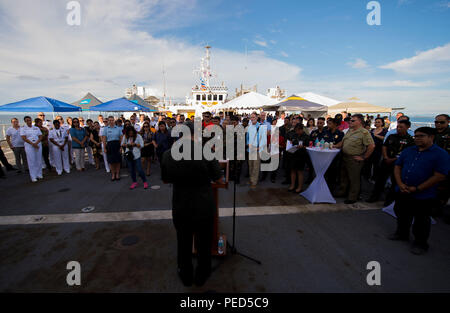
204	97
215	97
209	97
220	97
198	97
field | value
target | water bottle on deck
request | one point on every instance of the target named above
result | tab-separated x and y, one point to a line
220	246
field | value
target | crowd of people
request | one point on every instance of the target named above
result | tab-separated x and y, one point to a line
412	165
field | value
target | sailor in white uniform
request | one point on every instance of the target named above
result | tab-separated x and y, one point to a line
59	138
32	137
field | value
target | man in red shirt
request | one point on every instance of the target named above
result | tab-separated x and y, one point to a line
206	119
342	124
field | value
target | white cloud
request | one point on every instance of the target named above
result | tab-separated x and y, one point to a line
444	4
432	61
284	54
429	101
41	55
396	83
261	43
358	64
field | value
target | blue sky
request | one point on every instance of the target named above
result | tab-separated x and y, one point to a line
320	36
320	46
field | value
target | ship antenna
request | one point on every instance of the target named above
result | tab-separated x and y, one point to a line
164	83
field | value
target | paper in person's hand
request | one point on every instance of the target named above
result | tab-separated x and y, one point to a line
291	148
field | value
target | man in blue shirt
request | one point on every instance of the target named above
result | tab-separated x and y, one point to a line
393	131
417	171
256	138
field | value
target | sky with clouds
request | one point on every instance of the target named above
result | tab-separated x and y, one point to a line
322	46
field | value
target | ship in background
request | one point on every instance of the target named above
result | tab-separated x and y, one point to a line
205	95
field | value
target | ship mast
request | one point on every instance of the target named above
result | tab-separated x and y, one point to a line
164	82
207	72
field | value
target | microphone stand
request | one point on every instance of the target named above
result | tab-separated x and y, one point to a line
233	247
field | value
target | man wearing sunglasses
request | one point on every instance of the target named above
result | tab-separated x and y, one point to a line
45	123
442	139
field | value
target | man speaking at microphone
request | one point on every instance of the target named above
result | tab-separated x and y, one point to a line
193	209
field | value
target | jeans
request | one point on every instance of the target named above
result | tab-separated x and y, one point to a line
79	158
21	158
136	165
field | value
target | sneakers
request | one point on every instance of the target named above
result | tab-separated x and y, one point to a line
145	185
133	186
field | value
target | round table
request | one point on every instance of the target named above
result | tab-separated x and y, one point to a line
318	191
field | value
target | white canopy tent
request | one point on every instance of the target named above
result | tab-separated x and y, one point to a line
251	100
313	97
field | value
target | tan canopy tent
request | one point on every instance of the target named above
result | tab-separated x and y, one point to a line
87	101
295	103
355	105
136	99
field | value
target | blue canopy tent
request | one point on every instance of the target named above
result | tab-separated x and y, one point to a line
39	104
119	105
